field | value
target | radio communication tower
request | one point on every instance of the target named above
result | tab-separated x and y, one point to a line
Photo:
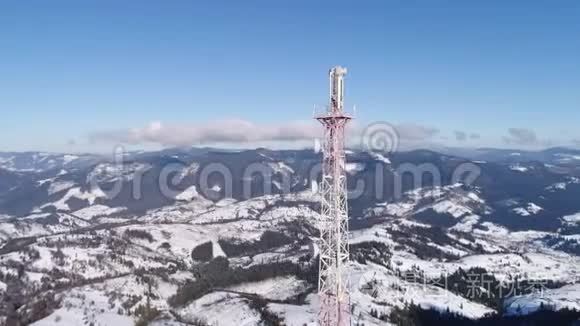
334	250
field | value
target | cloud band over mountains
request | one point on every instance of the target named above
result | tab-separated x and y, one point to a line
226	131
297	134
238	131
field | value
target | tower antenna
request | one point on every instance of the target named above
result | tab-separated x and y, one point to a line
334	250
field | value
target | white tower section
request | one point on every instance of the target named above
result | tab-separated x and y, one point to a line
334	251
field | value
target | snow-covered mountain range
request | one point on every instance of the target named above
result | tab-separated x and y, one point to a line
170	238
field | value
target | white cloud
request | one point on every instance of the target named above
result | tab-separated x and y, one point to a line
225	131
521	136
525	137
241	132
460	135
414	132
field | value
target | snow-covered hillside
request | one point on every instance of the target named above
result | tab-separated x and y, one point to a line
104	272
79	257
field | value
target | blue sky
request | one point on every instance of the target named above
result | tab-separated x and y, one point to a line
70	70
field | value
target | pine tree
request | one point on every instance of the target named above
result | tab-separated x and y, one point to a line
148	309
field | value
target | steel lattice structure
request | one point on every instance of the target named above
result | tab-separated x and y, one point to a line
334	251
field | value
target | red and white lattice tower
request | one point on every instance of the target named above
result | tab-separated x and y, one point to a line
334	251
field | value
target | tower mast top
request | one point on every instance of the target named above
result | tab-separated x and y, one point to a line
336	75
